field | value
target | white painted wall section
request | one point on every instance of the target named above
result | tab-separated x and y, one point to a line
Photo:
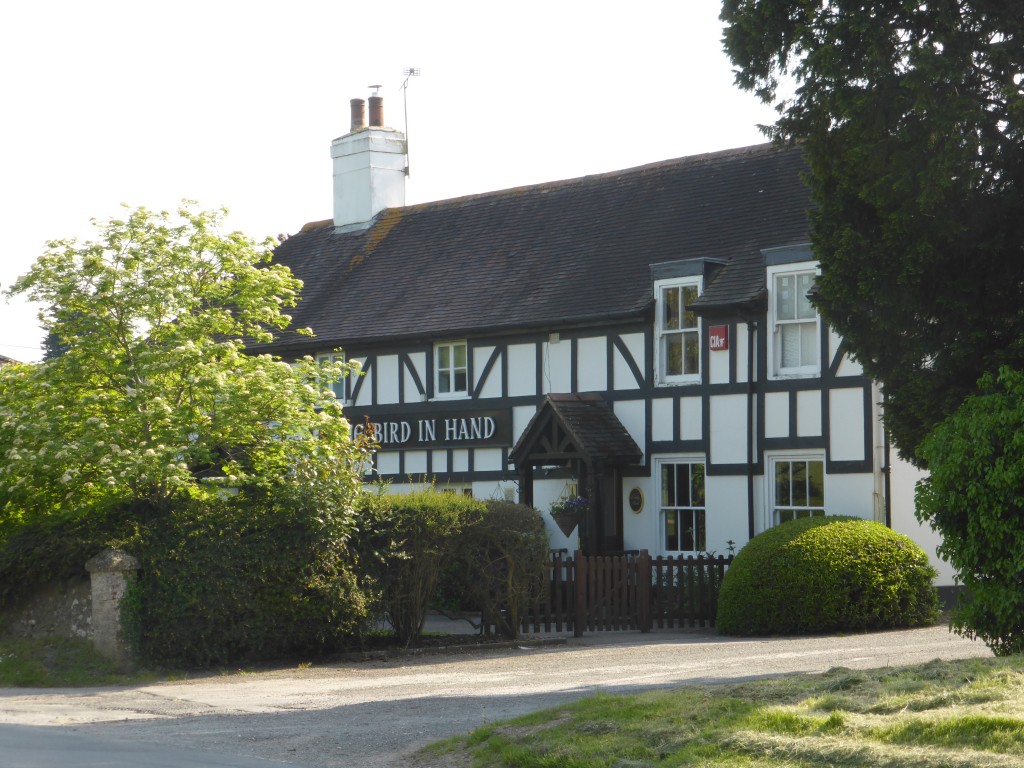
728	429
661	419
522	369
366	392
718	366
487	460
419	364
808	413
521	415
740	343
492	384
846	410
387	379
902	481
439	461
852	495
725	512
557	373
691	418
624	377
631	414
416	464
592	364
776	414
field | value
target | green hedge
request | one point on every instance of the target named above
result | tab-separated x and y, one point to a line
243	578
824	574
501	563
405	542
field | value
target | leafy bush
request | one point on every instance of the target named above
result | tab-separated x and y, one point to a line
500	563
405	542
827	573
248	577
973	497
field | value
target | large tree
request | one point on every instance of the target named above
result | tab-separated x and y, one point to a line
155	396
911	115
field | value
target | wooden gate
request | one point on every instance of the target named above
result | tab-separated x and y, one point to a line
629	591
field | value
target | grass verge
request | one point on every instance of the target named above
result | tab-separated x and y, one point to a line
59	663
944	714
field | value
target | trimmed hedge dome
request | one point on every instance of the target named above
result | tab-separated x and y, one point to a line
822	574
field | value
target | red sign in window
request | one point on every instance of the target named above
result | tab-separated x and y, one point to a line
718	337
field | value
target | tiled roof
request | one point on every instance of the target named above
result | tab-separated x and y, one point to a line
549	255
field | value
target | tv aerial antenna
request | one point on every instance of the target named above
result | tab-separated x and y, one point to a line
409	72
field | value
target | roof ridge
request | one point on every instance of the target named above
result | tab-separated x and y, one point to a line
546	186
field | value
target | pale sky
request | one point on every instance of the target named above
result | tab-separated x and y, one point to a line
236	103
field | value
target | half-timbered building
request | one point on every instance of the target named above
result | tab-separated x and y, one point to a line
642	339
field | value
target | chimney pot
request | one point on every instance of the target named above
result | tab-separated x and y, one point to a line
358	114
376	111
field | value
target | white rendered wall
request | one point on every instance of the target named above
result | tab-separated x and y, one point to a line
492	385
592	364
902	481
387	379
728	429
522	369
726	512
846	411
624	378
556	375
419	363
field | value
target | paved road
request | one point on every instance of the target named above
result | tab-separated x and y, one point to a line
376	713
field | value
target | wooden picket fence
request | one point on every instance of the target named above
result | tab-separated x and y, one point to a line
626	592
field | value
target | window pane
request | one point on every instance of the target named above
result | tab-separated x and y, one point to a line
668	492
785	515
671	531
805	283
799	470
697	485
808	344
686	534
460	355
670	316
444	356
460	381
700	543
692	359
789	345
444	382
689	296
674	355
682	485
782	483
816	483
785	299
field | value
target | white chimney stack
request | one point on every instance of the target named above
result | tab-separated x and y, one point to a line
369	168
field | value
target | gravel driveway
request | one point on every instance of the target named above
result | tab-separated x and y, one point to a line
377	713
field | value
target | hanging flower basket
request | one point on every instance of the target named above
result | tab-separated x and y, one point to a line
568	512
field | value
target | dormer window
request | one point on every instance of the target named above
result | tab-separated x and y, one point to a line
795	324
677	331
451	372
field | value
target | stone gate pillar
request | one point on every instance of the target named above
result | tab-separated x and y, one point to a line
110	573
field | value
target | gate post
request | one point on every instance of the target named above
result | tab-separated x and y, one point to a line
580	586
110	573
643	575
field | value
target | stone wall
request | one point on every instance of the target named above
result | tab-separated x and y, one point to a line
62	609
